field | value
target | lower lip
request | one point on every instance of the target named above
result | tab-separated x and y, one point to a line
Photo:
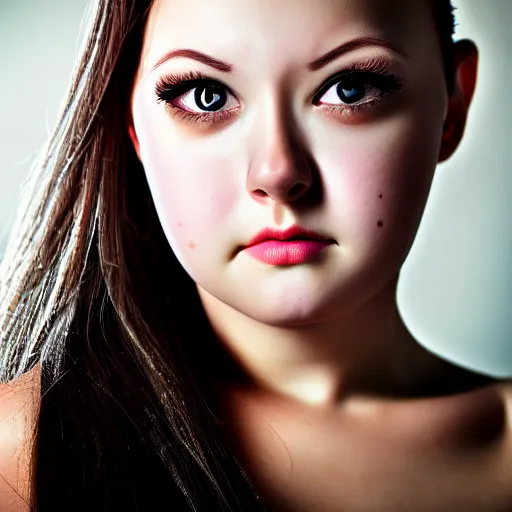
289	252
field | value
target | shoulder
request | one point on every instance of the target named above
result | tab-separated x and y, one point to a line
504	389
19	409
506	392
506	386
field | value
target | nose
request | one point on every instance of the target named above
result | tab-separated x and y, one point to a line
279	169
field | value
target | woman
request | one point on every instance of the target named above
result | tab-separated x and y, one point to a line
198	305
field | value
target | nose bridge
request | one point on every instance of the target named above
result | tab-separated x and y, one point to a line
278	168
276	134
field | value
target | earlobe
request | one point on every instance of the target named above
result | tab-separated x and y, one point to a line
466	67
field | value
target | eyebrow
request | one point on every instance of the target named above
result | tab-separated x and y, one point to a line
199	56
317	64
354	44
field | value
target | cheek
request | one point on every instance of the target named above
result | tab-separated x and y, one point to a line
192	187
193	198
380	178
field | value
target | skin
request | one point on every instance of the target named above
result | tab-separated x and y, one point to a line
328	328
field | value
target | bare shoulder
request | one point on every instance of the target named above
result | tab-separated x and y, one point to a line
19	408
505	389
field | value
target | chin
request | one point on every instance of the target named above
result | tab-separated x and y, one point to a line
296	297
287	316
289	309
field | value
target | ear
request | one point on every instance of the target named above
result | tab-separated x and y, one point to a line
133	136
466	68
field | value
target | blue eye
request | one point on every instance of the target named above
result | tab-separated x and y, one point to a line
196	98
350	93
209	98
356	88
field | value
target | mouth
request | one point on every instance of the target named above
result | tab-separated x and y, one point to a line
293	233
292	246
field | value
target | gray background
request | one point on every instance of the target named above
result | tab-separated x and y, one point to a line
455	291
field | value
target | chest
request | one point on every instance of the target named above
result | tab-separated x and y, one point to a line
398	459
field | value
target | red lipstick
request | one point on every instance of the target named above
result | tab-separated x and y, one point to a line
292	246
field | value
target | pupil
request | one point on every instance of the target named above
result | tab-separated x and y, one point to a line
210	97
350	93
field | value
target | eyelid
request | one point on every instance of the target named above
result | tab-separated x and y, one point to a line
378	64
376	68
384	83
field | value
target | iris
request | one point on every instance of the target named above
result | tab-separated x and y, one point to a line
210	97
350	93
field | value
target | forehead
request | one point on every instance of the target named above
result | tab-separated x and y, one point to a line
256	32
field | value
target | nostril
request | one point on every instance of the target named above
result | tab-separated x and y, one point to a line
296	191
260	193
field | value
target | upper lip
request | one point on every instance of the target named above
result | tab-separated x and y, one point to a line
293	232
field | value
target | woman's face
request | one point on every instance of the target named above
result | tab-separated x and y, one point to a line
282	131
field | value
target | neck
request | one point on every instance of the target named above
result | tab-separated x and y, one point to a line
364	352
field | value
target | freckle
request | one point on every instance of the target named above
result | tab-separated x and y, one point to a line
192	245
380	224
180	225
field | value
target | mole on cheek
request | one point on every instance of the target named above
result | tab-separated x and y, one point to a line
380	196
380	224
191	244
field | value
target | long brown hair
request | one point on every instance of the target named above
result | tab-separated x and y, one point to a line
89	289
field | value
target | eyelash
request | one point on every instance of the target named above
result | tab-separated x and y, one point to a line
373	74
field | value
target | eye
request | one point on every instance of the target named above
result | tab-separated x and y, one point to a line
194	97
345	91
354	90
209	97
